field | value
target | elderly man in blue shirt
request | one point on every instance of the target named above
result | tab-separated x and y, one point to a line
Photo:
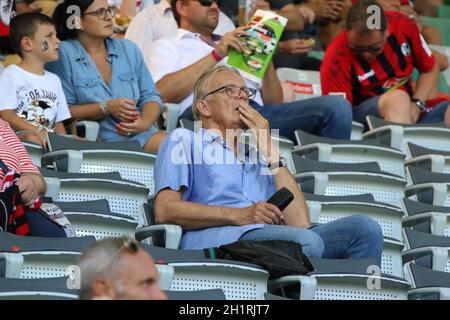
217	191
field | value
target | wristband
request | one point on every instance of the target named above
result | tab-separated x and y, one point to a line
39	129
216	56
104	108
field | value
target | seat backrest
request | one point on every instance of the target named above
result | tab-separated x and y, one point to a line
212	294
416	151
305	83
336	266
418	175
95	219
307	165
124	197
59	142
193	271
424	277
126	157
417	239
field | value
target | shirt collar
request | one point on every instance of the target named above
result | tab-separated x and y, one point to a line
183	33
163	7
81	54
211	136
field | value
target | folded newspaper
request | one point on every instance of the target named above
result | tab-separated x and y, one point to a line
265	29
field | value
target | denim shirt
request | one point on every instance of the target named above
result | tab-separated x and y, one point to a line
194	163
83	84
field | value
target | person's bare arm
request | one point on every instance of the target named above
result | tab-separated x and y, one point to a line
16	122
89	111
176	86
271	90
290	12
170	208
324	10
296	214
426	82
296	22
424	90
128	8
59	128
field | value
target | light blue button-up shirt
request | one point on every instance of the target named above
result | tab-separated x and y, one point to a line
83	84
194	163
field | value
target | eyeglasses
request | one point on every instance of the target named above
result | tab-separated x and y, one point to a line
371	49
102	12
234	91
367	49
208	3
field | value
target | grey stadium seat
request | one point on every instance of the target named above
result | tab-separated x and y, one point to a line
349	179
124	197
427	250
388	217
427	218
345	151
428	187
94	218
192	271
343	279
125	157
432	160
36	289
34	151
433	136
427	284
42	257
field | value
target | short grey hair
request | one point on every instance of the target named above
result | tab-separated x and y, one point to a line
202	85
103	260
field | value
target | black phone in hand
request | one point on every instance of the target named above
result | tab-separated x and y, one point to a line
282	198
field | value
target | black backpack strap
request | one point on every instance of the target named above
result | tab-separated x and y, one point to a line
3	167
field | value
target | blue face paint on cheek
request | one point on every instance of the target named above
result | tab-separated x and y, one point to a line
44	45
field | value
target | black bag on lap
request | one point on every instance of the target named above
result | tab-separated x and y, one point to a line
279	257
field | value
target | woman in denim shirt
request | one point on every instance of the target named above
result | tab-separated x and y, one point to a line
105	79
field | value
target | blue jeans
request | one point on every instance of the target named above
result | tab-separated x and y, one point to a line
327	116
369	107
353	237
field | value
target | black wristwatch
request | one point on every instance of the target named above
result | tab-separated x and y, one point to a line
279	164
419	103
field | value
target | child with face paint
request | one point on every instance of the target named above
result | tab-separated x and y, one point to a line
31	98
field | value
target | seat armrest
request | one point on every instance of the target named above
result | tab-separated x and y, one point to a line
307	285
168	235
14	264
74	159
437	221
91	129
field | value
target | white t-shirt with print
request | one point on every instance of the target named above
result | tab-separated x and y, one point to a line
40	100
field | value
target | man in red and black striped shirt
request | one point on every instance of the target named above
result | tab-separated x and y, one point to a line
372	61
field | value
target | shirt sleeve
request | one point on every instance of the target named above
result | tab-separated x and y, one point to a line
134	31
11	140
162	58
147	86
63	109
8	96
173	168
62	68
335	75
423	58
